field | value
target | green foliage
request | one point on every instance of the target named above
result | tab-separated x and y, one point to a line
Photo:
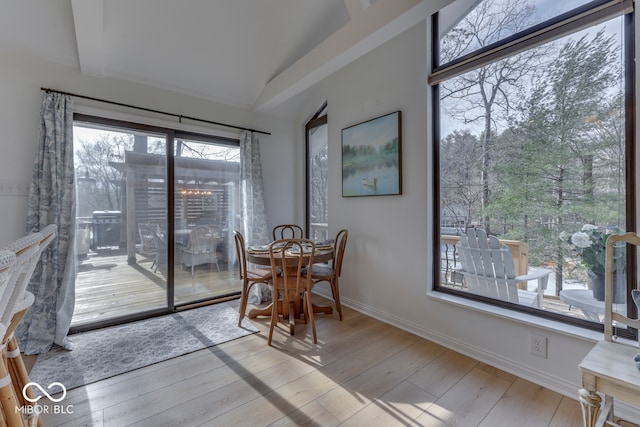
590	244
369	155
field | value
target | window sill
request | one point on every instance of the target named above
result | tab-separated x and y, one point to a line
516	316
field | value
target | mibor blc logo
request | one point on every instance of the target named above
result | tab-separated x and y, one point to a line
37	409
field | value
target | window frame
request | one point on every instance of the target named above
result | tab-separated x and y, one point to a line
318	119
587	15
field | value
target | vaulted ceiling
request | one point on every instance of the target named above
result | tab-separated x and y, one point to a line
254	54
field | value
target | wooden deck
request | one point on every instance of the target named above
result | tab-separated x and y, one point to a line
107	287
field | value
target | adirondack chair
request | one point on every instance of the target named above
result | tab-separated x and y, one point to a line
488	270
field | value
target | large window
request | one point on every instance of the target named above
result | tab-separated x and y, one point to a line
534	144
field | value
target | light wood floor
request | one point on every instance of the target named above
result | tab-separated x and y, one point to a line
362	372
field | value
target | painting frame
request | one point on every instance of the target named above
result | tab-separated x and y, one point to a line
372	157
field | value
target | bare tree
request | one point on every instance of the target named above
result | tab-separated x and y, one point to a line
473	97
461	190
94	158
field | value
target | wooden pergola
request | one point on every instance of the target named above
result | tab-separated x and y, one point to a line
201	187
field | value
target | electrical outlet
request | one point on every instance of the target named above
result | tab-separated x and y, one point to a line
14	188
538	345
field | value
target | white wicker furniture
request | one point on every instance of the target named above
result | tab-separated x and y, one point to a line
202	247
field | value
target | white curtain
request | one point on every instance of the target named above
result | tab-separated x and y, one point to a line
252	208
52	201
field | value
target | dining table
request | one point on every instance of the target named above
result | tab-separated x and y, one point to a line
261	257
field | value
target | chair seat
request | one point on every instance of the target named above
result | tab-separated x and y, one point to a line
259	274
320	271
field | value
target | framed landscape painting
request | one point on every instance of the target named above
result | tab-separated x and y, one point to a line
371	157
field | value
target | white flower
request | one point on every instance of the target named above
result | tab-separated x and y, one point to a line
563	236
581	240
589	227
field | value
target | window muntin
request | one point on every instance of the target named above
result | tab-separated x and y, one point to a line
532	147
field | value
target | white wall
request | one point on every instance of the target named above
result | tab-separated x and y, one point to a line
388	267
21	78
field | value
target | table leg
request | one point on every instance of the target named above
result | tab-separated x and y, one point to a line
590	403
324	309
292	320
255	312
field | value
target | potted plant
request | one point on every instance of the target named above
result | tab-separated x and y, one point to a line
590	244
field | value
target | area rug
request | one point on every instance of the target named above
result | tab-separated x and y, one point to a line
107	352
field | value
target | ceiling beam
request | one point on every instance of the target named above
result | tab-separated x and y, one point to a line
367	30
88	19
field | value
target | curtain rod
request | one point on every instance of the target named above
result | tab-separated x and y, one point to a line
179	116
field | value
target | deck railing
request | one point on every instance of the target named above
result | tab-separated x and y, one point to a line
319	232
449	258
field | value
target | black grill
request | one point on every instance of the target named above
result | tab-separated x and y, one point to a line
107	226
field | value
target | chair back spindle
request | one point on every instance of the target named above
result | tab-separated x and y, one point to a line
287	231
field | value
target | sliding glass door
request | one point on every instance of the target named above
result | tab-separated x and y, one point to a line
121	207
206	183
156	209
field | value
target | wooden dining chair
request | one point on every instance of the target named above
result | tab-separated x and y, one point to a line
287	231
248	277
331	272
290	256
